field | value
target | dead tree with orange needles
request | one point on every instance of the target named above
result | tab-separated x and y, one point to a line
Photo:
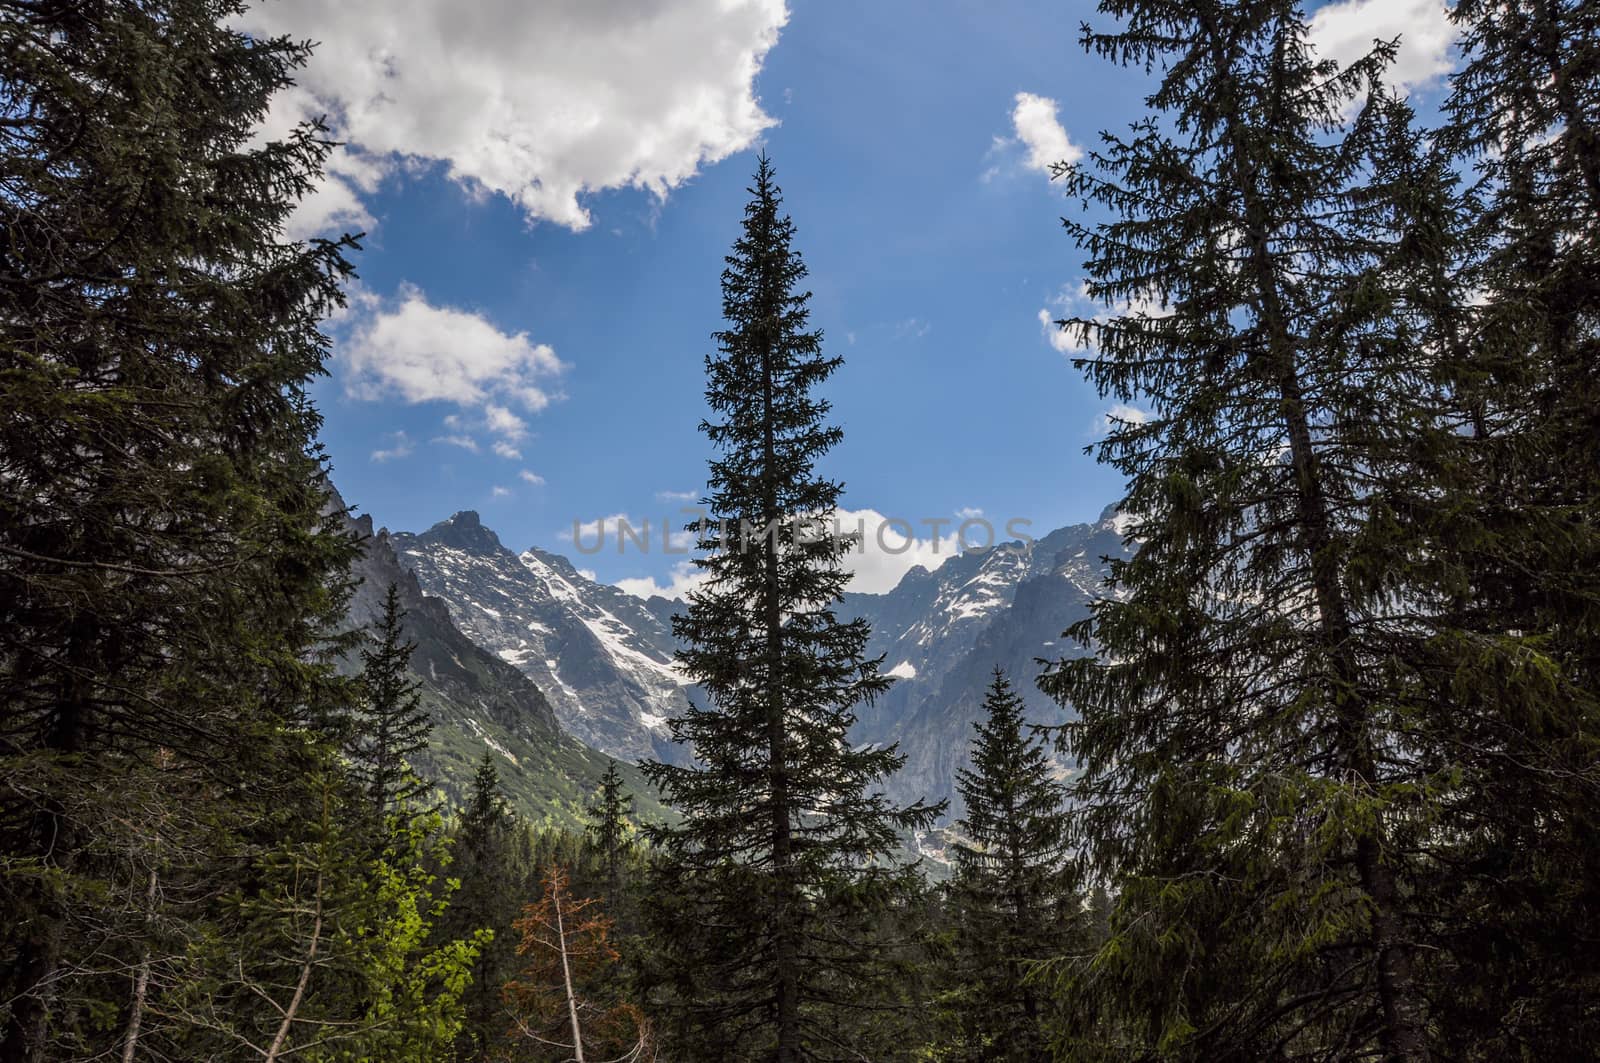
558	1005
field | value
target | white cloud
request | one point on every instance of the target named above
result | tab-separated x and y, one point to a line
506	450
333	206
501	421
1039	130
677	496
401	446
969	512
603	530
889	549
887	552
499	492
683	578
408	348
1064	340
529	477
1345	32
1076	302
543	103
1119	415
464	442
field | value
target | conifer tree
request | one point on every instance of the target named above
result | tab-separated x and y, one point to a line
1010	891
1249	784
560	1002
166	564
487	899
324	954
780	808
393	726
608	830
1514	673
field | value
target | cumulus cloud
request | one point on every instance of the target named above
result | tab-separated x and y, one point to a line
464	442
677	496
1040	131
887	549
540	103
1120	415
499	492
683	578
1064	340
410	349
506	450
529	477
1345	32
602	531
1075	302
400	446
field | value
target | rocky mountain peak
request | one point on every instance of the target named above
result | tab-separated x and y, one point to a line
463	531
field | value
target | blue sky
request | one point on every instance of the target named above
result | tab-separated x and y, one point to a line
549	190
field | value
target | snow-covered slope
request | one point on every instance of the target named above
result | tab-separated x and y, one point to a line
944	632
478	702
604	659
601	657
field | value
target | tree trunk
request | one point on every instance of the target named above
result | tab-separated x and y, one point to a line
566	979
289	1012
141	985
1402	1035
785	950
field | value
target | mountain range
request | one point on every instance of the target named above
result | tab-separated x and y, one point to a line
554	654
478	702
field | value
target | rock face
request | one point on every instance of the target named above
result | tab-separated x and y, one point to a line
944	632
479	702
602	657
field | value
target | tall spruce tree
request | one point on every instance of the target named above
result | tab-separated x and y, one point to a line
393	725
166	566
1515	669
1009	894
780	810
1249	781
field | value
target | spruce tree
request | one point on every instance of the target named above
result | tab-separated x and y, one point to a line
780	809
487	900
1249	784
608	831
1009	895
1515	669
166	564
394	726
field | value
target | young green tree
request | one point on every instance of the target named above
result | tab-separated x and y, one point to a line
608	833
166	566
393	726
1010	894
1250	783
491	888
325	954
780	807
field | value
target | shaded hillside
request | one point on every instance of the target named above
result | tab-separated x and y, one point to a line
479	702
